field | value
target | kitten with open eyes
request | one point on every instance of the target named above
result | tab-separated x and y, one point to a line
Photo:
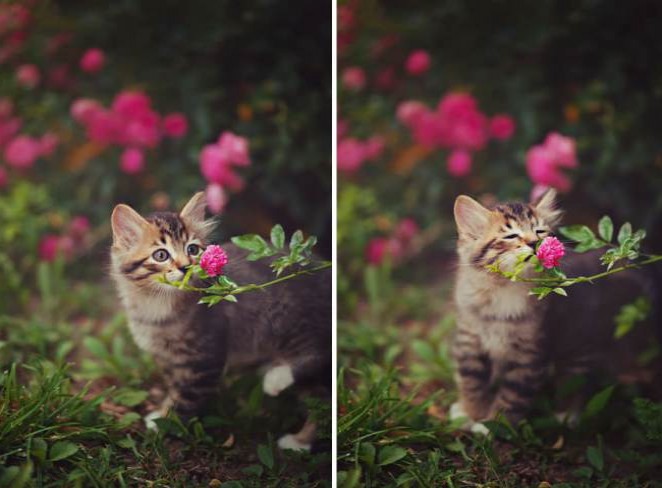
286	328
508	342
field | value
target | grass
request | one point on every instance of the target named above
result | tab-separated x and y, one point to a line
74	391
395	386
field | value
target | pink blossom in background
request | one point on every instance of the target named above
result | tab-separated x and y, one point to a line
4	178
550	252
131	104
132	161
57	42
104	127
143	129
217	198
216	167
83	109
354	78
59	77
49	247
502	127
79	226
8	129
93	60
562	148
28	76
48	143
456	104
427	128
385	79
374	147
213	260
406	230
418	62
236	148
350	155
459	163
22	152
380	249
175	125
407	112
544	162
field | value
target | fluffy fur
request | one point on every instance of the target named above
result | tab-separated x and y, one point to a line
286	329
507	342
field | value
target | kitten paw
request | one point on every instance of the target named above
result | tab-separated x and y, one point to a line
149	420
457	412
290	442
568	417
480	429
277	379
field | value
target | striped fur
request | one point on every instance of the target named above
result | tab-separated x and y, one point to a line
507	341
289	324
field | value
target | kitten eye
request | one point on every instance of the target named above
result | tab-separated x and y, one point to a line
511	236
192	249
541	231
160	255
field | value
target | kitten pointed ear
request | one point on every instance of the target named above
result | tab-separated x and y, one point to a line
546	207
471	218
128	225
194	210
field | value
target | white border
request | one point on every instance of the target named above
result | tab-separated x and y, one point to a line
334	248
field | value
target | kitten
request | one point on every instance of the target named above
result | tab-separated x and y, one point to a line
287	327
508	342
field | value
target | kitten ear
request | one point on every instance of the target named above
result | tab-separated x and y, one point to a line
127	225
471	217
546	207
194	210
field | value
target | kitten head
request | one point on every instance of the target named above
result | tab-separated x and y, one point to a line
504	233
163	244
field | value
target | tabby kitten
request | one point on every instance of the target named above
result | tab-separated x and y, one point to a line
507	342
286	328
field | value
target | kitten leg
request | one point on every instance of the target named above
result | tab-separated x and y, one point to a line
304	369
521	380
472	377
302	440
193	384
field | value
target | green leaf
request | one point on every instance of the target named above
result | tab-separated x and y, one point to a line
251	242
96	347
278	236
624	232
598	402
606	228
560	291
390	454
128	419
367	453
577	233
127	443
594	456
265	455
130	398
230	298
296	240
62	450
38	448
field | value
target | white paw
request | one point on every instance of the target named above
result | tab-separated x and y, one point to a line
479	428
457	412
277	379
290	442
149	420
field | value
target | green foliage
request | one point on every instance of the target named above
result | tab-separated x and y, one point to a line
630	314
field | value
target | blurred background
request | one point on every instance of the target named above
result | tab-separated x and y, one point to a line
144	103
497	100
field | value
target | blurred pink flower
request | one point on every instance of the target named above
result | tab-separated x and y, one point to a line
216	198
8	129
175	125
550	252
418	62
502	127
22	152
49	247
385	79
544	162
79	226
563	149
456	104
427	128
407	112
459	163
93	60
13	17
216	167
350	155
380	249
83	109
213	260
142	129
28	76
59	77
406	230
374	147
48	143
353	78
4	178
131	104
104	126
236	148
132	161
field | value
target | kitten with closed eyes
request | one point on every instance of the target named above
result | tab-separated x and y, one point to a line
508	343
286	328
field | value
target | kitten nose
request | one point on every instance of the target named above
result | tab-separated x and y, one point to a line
532	244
